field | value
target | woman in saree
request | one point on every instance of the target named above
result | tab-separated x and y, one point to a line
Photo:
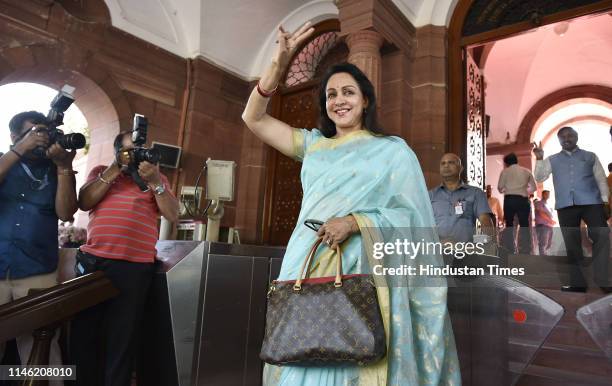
368	188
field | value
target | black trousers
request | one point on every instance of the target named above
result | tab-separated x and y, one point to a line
595	218
519	206
103	338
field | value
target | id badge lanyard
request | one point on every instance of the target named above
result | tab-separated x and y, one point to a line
35	183
459	208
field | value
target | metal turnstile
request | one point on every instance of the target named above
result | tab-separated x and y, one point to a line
169	319
596	318
205	317
499	324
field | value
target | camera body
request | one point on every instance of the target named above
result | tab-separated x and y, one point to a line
62	101
144	154
140	153
139	137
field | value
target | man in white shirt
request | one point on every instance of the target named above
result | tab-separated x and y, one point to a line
581	189
516	183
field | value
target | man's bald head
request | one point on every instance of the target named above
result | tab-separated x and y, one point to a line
451	156
450	166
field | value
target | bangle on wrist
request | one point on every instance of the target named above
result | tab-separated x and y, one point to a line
101	179
66	172
17	153
266	93
354	224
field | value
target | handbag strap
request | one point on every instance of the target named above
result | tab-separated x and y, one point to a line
308	262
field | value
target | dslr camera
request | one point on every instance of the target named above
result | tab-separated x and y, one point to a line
55	118
140	153
139	137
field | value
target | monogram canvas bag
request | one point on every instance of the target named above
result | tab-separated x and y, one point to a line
326	320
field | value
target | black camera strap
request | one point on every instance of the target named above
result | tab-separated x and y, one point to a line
133	169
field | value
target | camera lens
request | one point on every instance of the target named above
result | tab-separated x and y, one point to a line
72	141
152	155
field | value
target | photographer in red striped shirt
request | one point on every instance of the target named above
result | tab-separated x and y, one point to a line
122	234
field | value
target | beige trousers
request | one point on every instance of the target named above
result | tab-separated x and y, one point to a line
13	289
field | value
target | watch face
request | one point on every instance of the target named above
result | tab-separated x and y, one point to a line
160	189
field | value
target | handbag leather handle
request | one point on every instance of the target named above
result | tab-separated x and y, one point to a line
298	283
308	262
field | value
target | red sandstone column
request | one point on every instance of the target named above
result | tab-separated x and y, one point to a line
364	52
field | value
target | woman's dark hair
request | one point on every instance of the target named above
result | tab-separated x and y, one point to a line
326	125
16	123
510	159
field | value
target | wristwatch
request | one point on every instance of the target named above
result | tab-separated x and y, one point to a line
159	189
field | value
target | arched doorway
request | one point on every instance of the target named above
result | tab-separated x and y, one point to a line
21	96
526	34
296	104
480	21
540	109
590	117
92	100
94	103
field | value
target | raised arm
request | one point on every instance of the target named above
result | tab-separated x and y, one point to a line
98	183
167	204
30	141
272	131
542	166
65	196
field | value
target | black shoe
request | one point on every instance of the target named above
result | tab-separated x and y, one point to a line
606	290
569	288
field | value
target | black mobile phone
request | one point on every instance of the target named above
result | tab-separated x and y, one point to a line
313	224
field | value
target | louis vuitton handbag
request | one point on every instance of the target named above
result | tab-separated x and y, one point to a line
326	320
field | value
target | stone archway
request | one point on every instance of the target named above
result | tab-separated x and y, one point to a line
528	123
98	97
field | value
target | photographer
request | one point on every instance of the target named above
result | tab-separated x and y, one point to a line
37	186
122	235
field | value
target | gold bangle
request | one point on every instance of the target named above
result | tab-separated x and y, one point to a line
66	172
103	180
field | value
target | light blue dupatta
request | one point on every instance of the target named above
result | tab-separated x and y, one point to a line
379	181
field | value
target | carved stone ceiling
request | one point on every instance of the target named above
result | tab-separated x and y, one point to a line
238	34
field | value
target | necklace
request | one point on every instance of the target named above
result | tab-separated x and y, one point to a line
36	184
